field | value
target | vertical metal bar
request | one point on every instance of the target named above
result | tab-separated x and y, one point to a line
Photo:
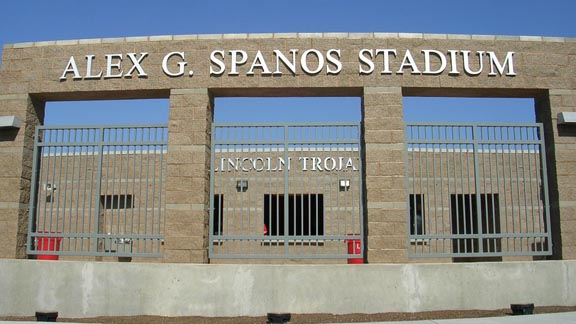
434	206
233	134
421	151
90	214
110	194
155	206
98	189
136	211
164	166
430	190
449	153
55	180
137	155
211	220
76	179
79	139
80	198
148	194
492	193
144	182
502	146
425	176
286	194
410	157
232	220
267	198
226	191
303	198
538	177
65	156
245	148
524	184
46	224
458	197
274	199
462	199
127	182
329	214
360	186
531	178
442	208
483	185
513	211
518	194
317	139
36	167
544	174
44	160
81	218
475	148
118	181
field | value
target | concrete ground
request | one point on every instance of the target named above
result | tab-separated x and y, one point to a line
556	318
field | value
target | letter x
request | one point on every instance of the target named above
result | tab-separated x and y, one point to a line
136	63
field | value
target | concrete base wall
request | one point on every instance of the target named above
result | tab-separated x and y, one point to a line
89	289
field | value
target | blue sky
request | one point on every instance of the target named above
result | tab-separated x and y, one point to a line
27	21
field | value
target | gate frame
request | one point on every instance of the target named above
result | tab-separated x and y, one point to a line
285	143
475	141
99	151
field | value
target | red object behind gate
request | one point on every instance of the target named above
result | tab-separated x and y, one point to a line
48	244
355	248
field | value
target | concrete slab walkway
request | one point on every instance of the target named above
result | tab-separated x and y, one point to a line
556	318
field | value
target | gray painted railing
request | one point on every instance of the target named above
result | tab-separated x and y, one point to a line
98	191
477	190
286	191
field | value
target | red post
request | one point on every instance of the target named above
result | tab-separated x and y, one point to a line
355	248
48	244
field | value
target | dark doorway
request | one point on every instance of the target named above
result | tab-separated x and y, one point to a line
305	214
465	221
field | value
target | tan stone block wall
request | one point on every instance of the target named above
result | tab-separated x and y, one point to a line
540	63
187	183
385	164
561	141
545	69
16	171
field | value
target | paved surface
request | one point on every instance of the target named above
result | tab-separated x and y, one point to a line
552	318
555	318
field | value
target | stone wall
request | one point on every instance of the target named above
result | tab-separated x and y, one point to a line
100	69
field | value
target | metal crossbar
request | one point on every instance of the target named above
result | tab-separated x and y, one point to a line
98	191
477	190
286	191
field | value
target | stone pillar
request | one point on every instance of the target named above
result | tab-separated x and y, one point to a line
385	180
561	163
16	150
188	182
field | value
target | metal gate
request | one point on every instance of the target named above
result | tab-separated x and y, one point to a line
477	190
98	191
286	191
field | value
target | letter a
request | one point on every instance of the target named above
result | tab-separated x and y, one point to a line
71	67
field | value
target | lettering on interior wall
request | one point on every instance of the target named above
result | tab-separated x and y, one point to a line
311	62
277	164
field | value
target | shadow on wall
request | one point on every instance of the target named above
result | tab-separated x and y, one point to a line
8	135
